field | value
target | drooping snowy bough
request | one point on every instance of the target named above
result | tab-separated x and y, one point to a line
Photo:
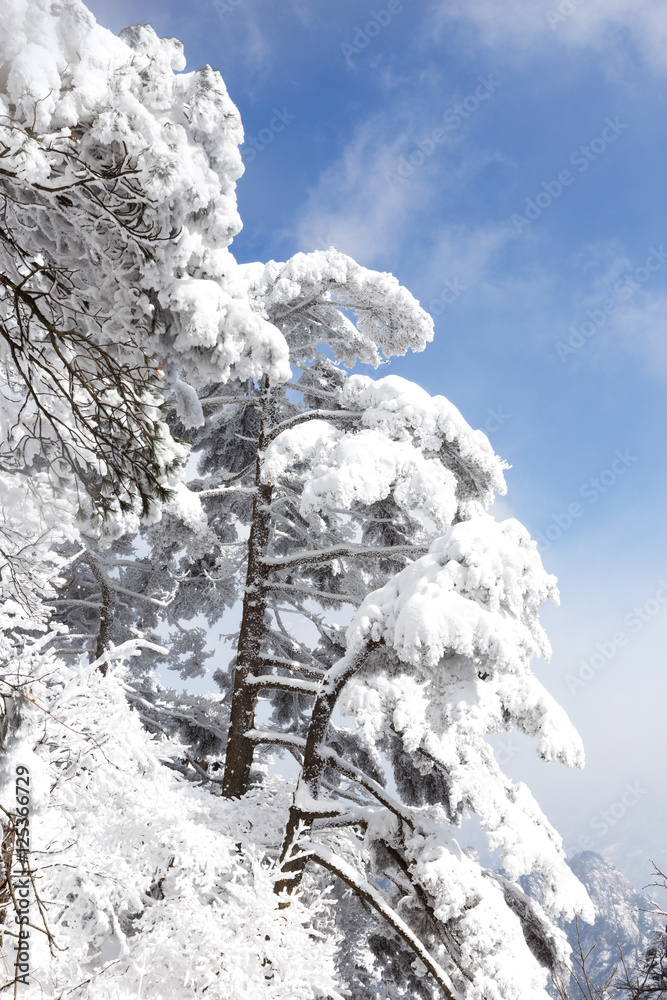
386	620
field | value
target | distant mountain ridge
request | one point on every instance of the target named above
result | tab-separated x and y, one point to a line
623	918
622	921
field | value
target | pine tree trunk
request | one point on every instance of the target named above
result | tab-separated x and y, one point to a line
105	633
293	862
238	758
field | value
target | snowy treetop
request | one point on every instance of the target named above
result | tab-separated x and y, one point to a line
306	296
476	593
76	94
403	410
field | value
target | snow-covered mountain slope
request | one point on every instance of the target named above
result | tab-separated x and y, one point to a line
623	920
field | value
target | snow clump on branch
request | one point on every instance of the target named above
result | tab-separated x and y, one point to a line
166	143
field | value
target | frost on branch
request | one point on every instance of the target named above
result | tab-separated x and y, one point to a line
309	298
151	886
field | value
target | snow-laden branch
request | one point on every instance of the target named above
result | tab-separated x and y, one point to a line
176	713
227	480
283	684
306	557
309	592
229	399
76	600
343	767
300	308
346	873
276	739
302	418
282	661
140	597
132	647
221	490
147	566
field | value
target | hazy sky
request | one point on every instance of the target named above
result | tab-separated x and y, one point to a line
506	162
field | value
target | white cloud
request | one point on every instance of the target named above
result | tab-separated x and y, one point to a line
353	206
463	254
624	309
372	201
598	23
257	33
641	330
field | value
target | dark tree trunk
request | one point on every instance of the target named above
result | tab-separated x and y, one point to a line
314	763
107	613
238	759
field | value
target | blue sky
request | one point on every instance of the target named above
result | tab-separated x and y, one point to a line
506	162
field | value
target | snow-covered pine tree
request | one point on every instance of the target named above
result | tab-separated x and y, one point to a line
350	520
346	515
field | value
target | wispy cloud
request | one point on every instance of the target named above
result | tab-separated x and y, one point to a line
623	311
460	260
257	33
365	204
598	23
352	207
640	329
